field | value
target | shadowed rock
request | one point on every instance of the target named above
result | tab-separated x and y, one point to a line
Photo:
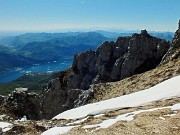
21	103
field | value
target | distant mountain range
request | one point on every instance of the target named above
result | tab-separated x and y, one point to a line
31	48
162	35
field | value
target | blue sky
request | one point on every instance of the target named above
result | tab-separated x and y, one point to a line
44	15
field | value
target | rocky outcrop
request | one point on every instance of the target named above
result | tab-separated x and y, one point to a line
1	99
21	103
84	97
57	98
174	50
54	99
116	61
112	61
176	39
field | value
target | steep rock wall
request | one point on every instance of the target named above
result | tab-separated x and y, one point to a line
112	61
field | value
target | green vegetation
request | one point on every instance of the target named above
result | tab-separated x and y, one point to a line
35	82
33	48
9	57
62	39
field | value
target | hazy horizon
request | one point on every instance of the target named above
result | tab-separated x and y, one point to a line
16	33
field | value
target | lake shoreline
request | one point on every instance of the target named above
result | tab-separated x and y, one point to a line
48	67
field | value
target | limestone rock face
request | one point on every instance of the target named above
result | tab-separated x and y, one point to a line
84	97
176	39
83	70
112	61
73	95
54	99
174	50
143	54
20	103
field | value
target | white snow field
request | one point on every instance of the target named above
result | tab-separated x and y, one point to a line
58	130
166	90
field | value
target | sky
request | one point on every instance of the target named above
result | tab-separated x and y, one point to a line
62	15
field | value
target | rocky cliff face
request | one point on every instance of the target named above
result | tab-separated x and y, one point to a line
21	103
116	61
111	61
174	50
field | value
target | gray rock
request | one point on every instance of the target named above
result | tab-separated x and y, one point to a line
162	48
144	32
173	52
22	103
116	70
1	99
143	54
54	97
72	96
176	39
83	98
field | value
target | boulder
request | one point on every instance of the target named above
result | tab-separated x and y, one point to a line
21	103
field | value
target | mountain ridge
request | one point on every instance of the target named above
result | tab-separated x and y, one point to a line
112	61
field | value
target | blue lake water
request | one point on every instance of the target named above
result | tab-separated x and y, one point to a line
46	67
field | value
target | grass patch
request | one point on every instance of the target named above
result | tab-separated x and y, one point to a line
35	82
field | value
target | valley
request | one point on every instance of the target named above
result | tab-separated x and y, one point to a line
31	48
48	67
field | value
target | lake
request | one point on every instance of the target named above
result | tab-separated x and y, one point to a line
46	67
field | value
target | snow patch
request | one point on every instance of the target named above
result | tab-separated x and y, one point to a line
169	115
166	90
24	118
58	130
162	118
5	126
128	117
